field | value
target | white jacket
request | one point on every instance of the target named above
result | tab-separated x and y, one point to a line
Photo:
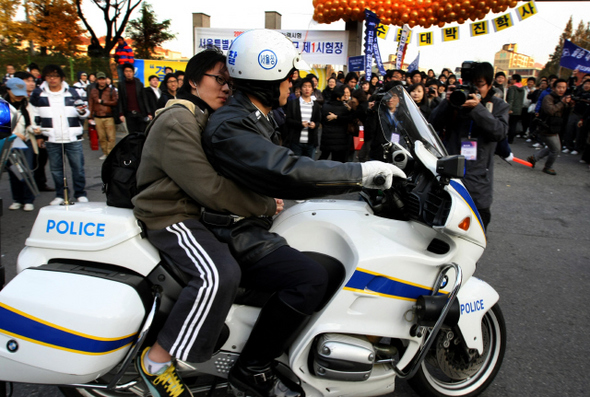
56	114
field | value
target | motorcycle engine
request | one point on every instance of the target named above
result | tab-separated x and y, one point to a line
343	357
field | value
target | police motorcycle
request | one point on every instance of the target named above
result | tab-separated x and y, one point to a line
403	301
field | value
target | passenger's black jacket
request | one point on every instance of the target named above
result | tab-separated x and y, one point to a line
240	143
294	125
486	126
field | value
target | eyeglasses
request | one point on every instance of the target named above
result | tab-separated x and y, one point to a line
221	81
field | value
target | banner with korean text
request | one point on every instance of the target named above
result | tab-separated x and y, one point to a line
574	57
476	29
322	47
144	68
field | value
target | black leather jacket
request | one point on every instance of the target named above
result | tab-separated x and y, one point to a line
241	144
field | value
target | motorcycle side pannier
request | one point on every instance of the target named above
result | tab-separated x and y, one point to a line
65	323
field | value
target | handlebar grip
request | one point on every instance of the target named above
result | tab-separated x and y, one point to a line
379	180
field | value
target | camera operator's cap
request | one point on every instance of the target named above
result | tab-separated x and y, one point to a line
263	55
17	86
101	75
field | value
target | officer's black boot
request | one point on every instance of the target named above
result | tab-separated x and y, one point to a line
254	374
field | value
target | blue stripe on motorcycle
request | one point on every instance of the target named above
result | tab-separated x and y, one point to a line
32	329
467	197
369	282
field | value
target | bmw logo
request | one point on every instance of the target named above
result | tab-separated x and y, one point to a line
12	346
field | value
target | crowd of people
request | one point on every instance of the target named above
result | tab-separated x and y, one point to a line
552	114
43	100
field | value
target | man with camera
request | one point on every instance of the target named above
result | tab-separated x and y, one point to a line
433	97
471	121
550	122
574	139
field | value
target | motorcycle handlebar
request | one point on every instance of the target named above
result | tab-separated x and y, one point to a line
379	180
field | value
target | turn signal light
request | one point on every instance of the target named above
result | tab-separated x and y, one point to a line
465	223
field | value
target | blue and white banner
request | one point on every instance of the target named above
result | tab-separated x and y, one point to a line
356	64
574	57
414	65
322	47
402	46
371	22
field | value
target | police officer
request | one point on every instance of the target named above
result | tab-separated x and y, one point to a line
241	142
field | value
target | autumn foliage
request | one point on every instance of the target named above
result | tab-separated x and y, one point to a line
53	25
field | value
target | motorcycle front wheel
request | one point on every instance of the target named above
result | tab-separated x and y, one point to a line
446	371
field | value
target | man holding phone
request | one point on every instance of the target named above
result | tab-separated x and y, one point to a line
60	112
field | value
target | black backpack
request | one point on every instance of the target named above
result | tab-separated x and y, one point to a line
118	174
119	181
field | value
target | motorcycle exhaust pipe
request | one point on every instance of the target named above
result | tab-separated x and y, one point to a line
428	309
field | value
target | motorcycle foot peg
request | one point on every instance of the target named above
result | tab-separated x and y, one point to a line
417	331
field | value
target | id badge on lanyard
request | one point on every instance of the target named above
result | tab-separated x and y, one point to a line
469	146
395	137
469	149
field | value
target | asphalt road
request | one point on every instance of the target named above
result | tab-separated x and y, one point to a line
537	259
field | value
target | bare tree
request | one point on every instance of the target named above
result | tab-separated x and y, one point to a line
116	15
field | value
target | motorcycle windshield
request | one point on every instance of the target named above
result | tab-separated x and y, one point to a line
402	123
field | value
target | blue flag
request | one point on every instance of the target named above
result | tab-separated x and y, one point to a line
574	57
414	65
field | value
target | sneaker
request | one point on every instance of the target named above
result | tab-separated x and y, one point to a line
165	383
104	156
566	151
15	206
529	140
517	136
582	161
549	171
532	160
57	201
29	207
574	152
537	145
82	199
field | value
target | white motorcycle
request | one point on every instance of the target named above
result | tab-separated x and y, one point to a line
402	300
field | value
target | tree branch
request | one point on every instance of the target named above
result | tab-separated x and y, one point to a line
86	24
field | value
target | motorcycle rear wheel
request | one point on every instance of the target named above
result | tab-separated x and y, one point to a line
468	379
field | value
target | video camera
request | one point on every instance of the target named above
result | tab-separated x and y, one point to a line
461	92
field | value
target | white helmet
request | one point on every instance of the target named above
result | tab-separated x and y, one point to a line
263	55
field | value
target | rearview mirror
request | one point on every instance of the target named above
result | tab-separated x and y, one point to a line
451	166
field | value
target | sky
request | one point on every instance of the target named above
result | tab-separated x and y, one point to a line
536	36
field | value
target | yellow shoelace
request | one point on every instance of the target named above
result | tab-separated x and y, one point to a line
171	382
